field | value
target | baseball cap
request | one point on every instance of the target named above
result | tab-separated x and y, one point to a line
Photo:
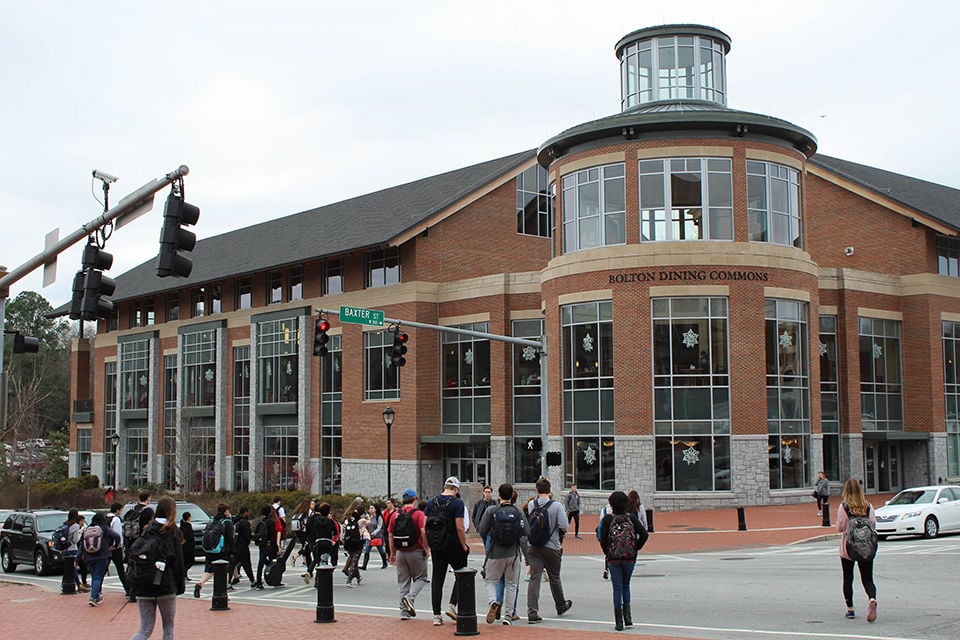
409	493
452	480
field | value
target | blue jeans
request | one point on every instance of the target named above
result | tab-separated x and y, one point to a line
620	574
98	569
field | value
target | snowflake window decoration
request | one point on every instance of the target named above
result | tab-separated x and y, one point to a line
877	352
587	342
823	349
336	365
691	456
468	356
590	455
289	368
529	353
787	455
387	361
208	374
143	381
786	340
691	339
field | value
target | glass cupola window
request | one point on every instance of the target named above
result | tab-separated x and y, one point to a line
673	63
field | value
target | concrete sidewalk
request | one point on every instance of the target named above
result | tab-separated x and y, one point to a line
32	612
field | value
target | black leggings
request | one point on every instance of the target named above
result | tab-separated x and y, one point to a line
866	578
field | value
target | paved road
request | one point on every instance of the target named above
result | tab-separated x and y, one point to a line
783	593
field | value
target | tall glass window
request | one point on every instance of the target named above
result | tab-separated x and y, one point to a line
295	284
588	428
881	389
691	396
534	203
466	381
526	402
686	199
594	205
109	421
137	466
214	299
773	200
170	422
382	268
277	362
829	396
241	418
135	374
948	256
672	68
280	450
200	438
243	299
951	394
200	369
274	287
198	302
84	450
382	377
331	418
788	393
173	307
332	279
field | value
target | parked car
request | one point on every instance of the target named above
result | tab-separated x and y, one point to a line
198	518
920	511
26	538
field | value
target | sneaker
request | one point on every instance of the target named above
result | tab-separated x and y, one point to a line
82	588
404	615
507	621
492	613
533	618
566	607
606	574
229	587
451	611
819	514
526	578
850	614
577	538
350	584
258	586
407	606
514	617
872	611
437	621
196	591
235	580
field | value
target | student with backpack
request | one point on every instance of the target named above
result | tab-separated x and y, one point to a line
352	537
621	535
444	528
66	540
243	534
267	536
548	523
857	522
506	526
155	570
97	544
116	524
408	552
218	540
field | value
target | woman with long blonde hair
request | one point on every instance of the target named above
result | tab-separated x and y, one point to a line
854	505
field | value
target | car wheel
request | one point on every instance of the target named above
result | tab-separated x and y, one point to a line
881	538
6	559
40	564
931	527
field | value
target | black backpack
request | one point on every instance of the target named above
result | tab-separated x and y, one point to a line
540	531
131	524
261	535
860	538
439	525
142	560
405	531
213	537
507	527
61	537
352	541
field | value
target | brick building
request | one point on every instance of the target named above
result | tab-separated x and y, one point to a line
726	312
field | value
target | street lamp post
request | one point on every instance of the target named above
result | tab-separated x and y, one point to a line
115	441
388	415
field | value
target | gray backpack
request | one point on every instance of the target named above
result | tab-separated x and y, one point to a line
860	537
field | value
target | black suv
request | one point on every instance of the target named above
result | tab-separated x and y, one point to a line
26	538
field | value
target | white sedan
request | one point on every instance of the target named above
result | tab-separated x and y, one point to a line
920	511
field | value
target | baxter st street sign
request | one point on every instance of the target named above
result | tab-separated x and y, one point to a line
359	315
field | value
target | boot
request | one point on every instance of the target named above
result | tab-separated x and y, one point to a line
618	618
366	559
627	617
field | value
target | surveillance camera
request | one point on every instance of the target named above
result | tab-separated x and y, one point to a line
103	175
848	251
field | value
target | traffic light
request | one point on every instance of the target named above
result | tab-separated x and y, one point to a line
173	238
320	337
399	347
25	344
76	302
95	285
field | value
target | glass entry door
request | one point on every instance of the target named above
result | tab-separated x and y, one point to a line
469	463
881	467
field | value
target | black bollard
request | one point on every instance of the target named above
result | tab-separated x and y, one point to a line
221	601
649	520
466	602
324	584
741	519
68	586
826	514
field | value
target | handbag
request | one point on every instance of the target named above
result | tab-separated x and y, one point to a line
376	542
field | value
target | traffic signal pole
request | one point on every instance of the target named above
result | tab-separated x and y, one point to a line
540	345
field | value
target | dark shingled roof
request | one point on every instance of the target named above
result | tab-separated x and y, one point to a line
365	221
935	200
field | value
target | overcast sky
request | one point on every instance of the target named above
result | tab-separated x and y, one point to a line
284	106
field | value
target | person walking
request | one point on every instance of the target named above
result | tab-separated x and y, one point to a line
220	526
822	493
547	519
99	540
243	534
116	554
267	538
505	526
479	507
375	537
83	585
73	550
134	522
409	552
572	506
353	545
298	524
620	539
159	592
447	539
389	511
635	507
189	545
855	505
322	537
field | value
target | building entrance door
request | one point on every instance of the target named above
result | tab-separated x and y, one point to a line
469	463
881	467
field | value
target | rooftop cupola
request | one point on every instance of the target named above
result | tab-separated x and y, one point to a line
673	63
